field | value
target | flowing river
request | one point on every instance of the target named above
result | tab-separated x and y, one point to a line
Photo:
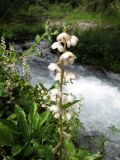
100	91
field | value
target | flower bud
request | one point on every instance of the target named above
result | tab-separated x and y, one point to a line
54	108
56	115
57	45
54	67
74	40
68	116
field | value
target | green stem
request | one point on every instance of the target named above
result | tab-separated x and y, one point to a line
60	103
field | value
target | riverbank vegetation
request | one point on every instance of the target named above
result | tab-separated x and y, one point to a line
29	115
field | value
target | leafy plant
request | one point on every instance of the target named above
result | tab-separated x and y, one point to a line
28	127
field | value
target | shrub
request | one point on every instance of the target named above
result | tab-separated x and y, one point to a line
99	47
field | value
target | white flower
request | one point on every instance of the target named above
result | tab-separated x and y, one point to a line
56	115
44	106
57	45
63	37
54	108
57	77
55	92
45	97
67	58
68	43
69	77
68	116
53	98
70	98
74	40
54	67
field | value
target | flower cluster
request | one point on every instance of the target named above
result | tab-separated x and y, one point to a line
64	42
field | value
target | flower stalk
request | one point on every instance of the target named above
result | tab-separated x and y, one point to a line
60	105
64	41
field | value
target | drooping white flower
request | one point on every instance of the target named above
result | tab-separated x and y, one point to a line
68	116
69	77
54	108
61	48
67	58
58	45
56	115
74	40
54	67
70	98
55	45
57	77
55	92
68	43
63	37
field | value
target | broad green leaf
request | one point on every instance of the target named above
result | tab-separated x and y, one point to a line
12	57
33	118
43	118
8	158
33	109
10	125
86	155
28	151
6	136
82	153
93	157
67	105
22	122
16	150
11	117
69	146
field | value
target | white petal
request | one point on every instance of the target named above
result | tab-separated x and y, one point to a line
57	77
53	67
70	98
61	48
55	92
57	115
74	40
68	116
54	108
69	77
55	45
68	43
63	36
68	58
53	98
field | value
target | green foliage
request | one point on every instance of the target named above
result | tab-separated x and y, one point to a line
99	47
27	129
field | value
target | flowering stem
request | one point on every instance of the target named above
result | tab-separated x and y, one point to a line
61	84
